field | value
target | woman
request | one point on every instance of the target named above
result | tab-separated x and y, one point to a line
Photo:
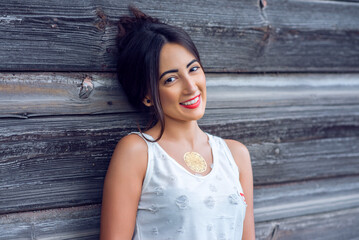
172	181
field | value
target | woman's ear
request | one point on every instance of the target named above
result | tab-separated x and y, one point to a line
147	101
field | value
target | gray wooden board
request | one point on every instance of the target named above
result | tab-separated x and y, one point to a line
315	35
55	162
76	36
83	223
49	94
75	223
282	124
327	226
280	201
295	161
273	125
231	36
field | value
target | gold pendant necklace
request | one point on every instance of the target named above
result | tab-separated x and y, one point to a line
195	162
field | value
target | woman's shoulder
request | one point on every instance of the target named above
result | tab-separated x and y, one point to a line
130	151
236	146
133	141
132	144
239	152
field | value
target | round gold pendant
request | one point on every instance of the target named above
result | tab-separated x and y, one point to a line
195	162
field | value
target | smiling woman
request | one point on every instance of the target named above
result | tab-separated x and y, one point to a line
172	180
182	86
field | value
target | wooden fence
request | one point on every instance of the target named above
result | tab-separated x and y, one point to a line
282	77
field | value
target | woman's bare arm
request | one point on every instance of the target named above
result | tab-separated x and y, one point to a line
122	188
241	156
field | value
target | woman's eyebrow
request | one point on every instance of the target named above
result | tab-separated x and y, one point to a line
169	71
176	70
189	64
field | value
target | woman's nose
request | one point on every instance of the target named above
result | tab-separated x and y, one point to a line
190	84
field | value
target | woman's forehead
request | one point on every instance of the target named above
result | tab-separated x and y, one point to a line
174	56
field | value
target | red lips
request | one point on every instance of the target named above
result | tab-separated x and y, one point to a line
194	105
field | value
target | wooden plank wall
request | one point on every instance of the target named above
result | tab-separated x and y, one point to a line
282	77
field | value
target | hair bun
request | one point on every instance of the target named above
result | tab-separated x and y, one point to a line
127	23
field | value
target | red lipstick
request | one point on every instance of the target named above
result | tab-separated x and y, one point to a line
192	103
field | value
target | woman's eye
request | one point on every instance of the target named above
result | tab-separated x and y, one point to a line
169	80
194	69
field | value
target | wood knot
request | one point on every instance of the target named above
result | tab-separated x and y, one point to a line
86	87
102	20
275	233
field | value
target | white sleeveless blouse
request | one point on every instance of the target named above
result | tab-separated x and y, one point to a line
176	204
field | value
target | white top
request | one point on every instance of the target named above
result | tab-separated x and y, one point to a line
176	204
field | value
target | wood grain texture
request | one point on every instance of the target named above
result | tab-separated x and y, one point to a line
78	223
287	162
234	36
302	130
78	36
280	201
326	226
57	145
83	223
56	162
317	35
24	95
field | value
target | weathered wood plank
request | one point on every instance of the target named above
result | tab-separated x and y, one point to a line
276	202
51	94
78	223
83	223
282	124
295	161
42	94
80	36
231	36
73	154
315	35
271	125
328	226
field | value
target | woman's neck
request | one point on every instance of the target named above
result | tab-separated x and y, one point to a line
175	131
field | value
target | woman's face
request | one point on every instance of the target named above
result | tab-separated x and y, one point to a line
182	84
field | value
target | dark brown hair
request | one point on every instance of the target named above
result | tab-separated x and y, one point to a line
140	40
